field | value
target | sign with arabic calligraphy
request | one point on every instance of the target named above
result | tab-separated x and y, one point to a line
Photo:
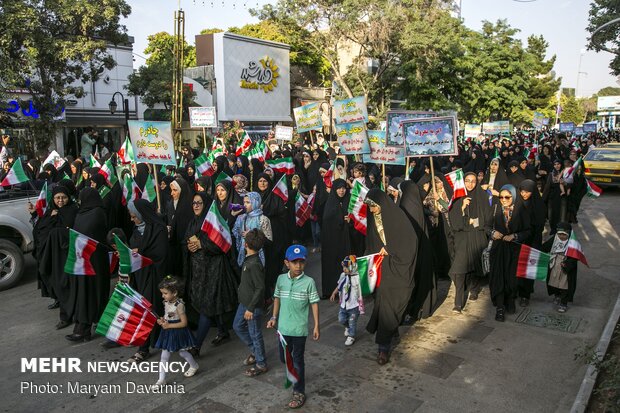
589	127
472	130
431	136
496	128
308	117
394	124
567	126
382	154
579	131
260	76
284	133
537	121
352	138
152	142
351	110
202	117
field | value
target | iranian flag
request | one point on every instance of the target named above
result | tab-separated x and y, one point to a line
282	165
129	261
574	250
203	166
94	163
16	175
593	190
532	264
125	154
569	173
43	201
215	152
259	151
150	192
107	170
357	208
81	248
216	228
457	182
329	176
221	177
369	269
134	295
131	191
244	145
125	321
281	189
303	208
291	374
55	159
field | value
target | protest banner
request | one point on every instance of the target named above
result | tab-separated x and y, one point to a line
352	138
472	130
394	124
308	117
382	154
496	128
284	133
567	126
152	142
202	117
430	136
579	131
589	127
350	110
537	121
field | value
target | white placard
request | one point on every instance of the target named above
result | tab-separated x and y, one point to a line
284	133
202	117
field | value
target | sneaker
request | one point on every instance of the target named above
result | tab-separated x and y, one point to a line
457	309
158	385
346	331
562	308
190	372
349	341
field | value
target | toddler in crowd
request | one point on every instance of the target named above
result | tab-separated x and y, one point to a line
351	301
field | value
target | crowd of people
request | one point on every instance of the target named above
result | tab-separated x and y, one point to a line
515	192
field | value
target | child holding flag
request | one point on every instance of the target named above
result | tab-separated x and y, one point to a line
562	278
351	301
295	292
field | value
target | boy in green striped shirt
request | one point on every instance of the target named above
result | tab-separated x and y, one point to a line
294	294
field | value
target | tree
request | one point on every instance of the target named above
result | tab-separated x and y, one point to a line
609	91
153	81
51	45
542	84
571	111
607	39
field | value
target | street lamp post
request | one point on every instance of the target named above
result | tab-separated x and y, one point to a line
112	105
579	72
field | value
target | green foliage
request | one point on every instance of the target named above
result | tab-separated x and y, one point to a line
48	45
543	85
608	39
609	91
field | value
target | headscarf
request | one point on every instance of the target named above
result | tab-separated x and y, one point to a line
132	208
248	221
89	199
242	184
535	204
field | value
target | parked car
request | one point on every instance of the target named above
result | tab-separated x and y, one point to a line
16	237
602	165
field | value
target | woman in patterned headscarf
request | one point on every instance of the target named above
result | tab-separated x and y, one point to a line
253	218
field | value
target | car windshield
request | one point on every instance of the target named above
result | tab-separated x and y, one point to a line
605	156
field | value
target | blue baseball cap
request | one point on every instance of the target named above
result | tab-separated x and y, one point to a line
296	252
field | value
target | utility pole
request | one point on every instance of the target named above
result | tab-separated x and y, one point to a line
177	75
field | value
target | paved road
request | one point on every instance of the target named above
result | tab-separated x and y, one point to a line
447	363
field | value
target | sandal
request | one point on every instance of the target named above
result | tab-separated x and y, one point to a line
297	401
250	360
256	371
139	357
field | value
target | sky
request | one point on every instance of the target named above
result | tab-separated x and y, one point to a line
561	22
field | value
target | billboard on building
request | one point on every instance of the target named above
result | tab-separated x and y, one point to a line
608	103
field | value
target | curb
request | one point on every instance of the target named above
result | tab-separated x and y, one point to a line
587	385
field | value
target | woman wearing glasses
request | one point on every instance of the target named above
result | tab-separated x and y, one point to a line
509	226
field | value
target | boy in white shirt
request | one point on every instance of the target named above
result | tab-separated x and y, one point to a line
351	301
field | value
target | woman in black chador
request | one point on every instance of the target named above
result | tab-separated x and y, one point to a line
336	238
424	297
390	233
89	294
179	214
509	225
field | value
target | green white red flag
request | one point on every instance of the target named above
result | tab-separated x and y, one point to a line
280	189
569	173
125	154
216	228
329	176
94	163
203	166
574	250
357	208
107	170
369	269
303	208
259	151
221	177
129	260
43	201
532	264
282	165
291	374
244	144
16	175
81	249
215	152
126	321
593	191
150	192
457	182
131	190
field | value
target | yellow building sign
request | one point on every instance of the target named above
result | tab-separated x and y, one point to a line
260	76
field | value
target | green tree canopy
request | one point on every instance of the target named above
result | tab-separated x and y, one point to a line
608	39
